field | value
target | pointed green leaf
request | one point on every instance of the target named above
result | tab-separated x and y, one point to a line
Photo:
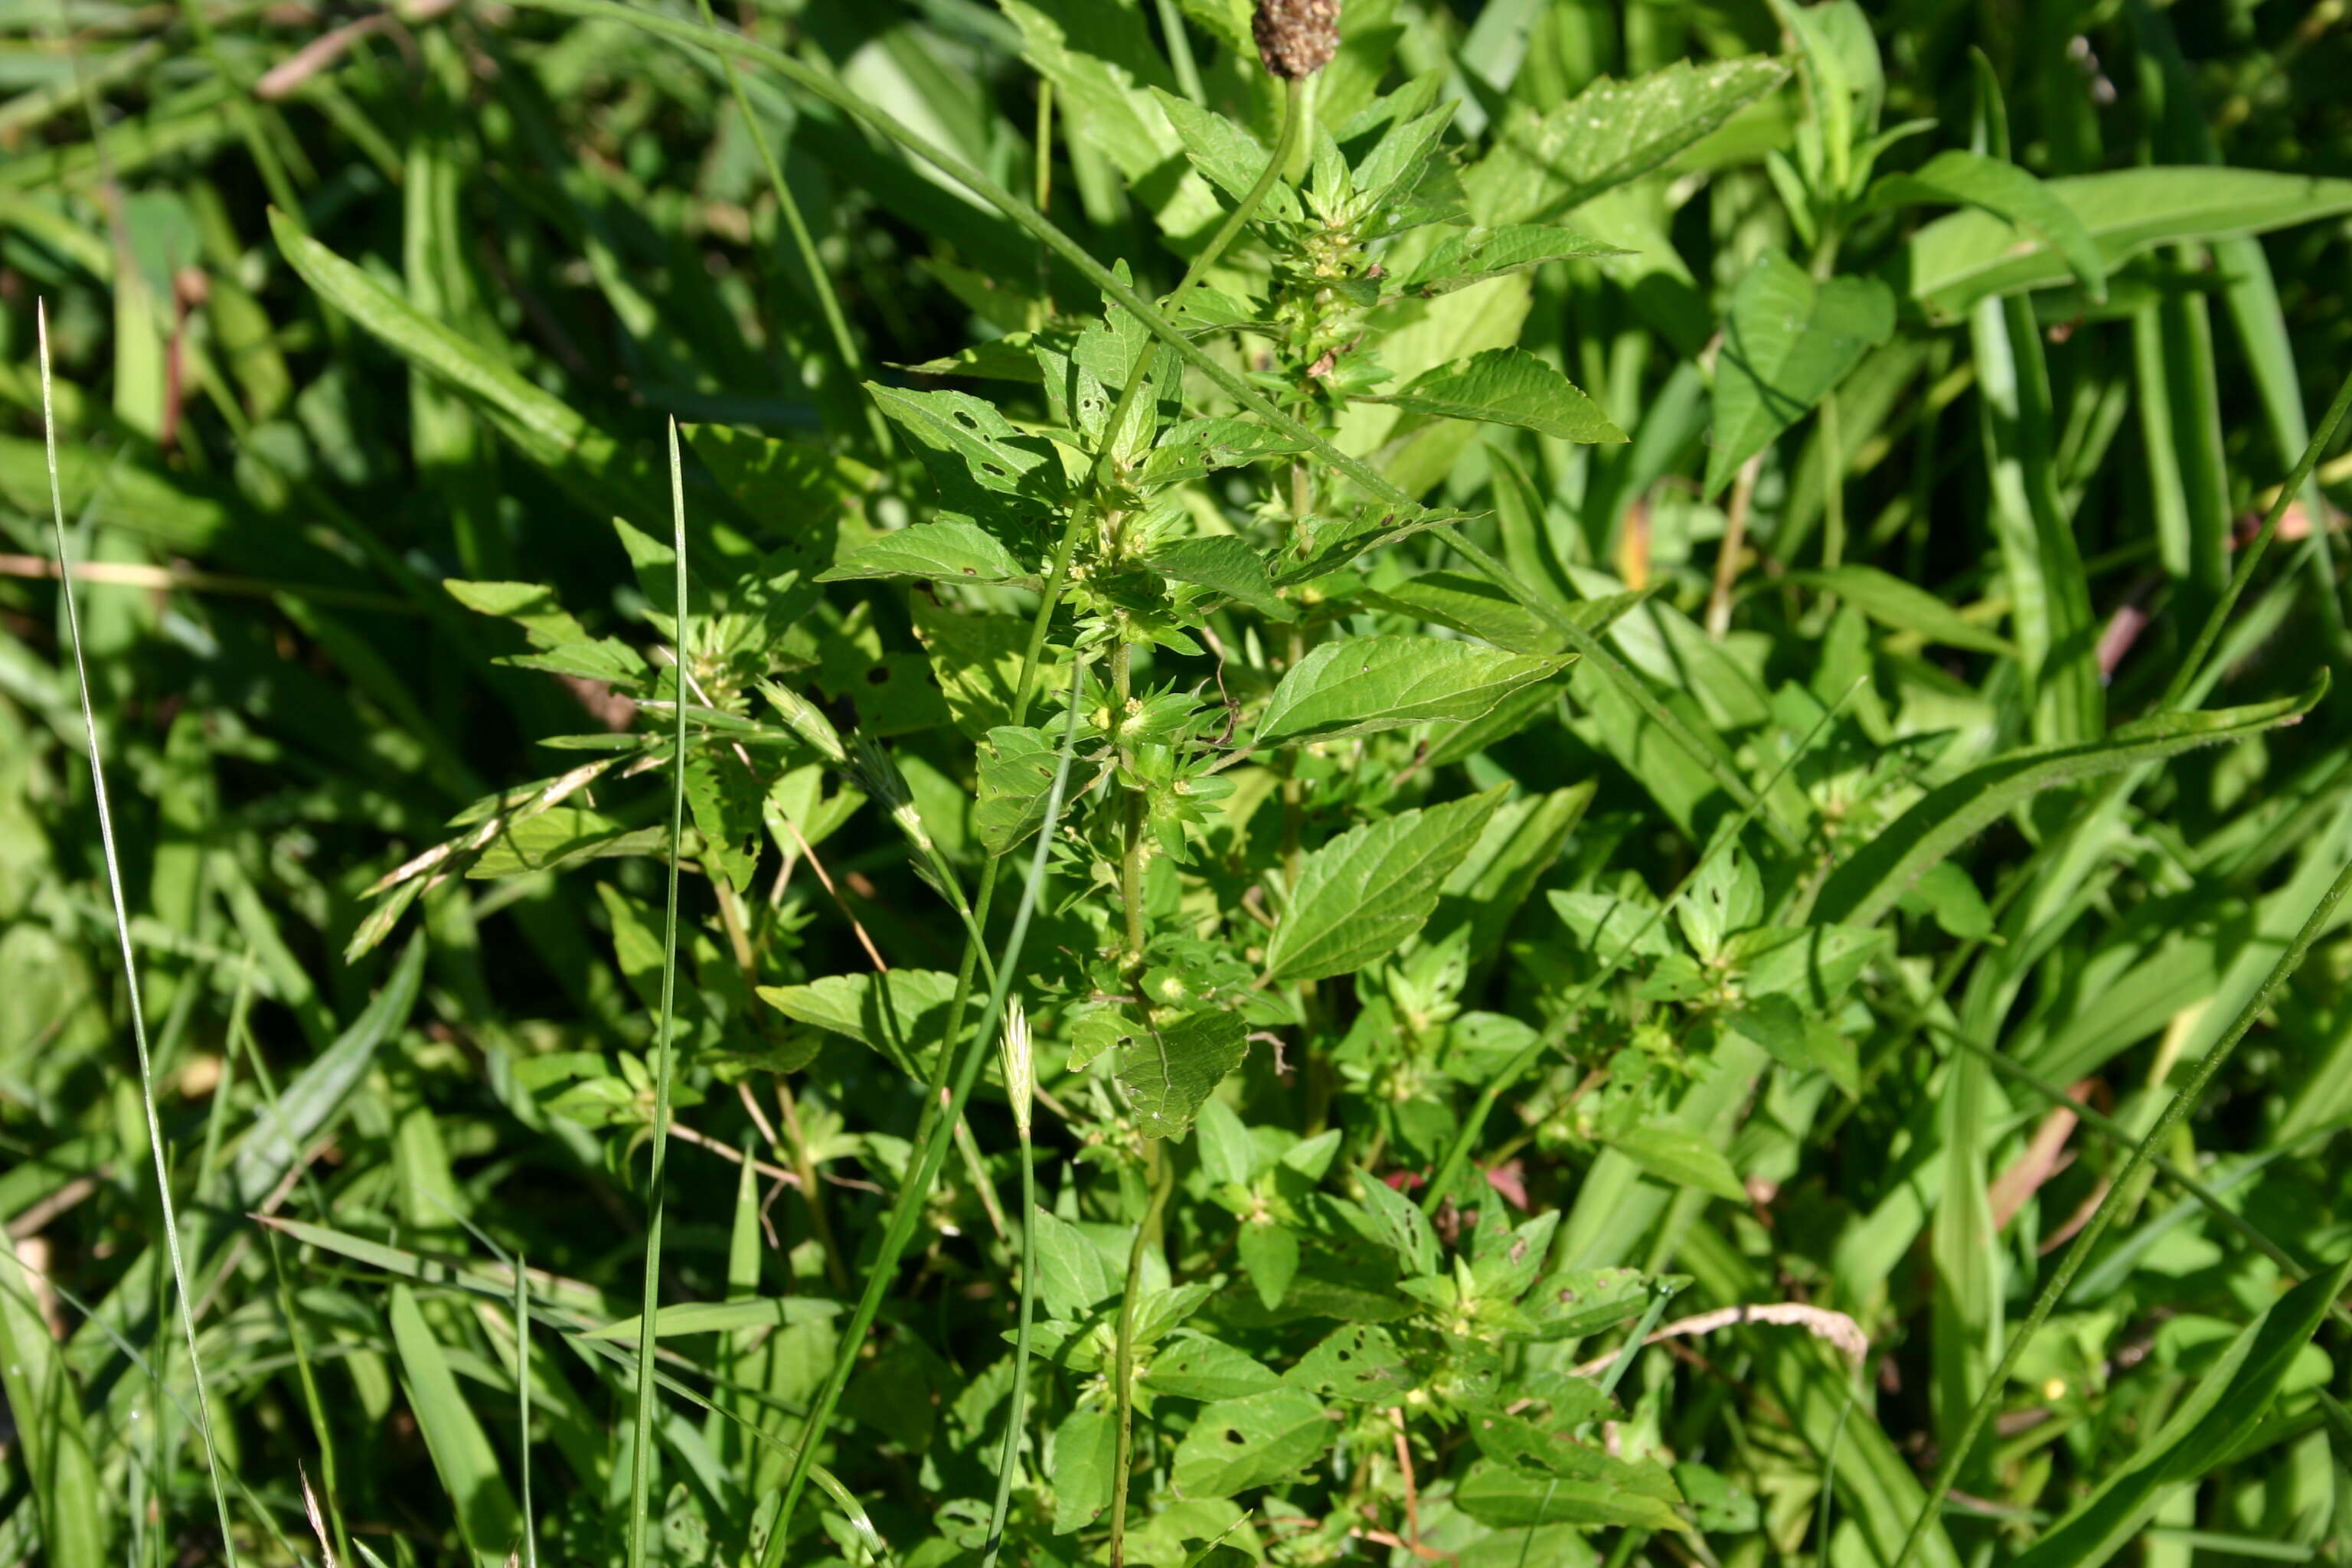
1461	259
951	550
1168	1070
1198	1367
1079	1460
908	1033
1505	386
1681	1157
1363	894
487	1520
1874	877
1786	342
1356	686
1970	256
1900	607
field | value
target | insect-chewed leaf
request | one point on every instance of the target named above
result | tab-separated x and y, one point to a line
1358	686
1238	1444
1198	1367
1582	1301
1168	1070
1507	386
1361	895
1610	132
953	550
1359	1363
1016	775
971	450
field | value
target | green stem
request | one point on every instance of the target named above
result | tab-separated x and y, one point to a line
641	1455
2142	1152
828	302
1832	486
915	1190
1012	1421
1162	1172
1180	52
931	1133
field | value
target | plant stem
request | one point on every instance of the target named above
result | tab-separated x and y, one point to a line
1012	1421
924	1170
2079	1253
641	1452
931	1135
1162	1172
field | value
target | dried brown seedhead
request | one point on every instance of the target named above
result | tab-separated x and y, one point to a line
1296	37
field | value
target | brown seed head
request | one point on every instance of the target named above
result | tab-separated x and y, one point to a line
1296	37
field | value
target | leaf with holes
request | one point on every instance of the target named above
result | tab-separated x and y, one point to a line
1166	1071
1238	1444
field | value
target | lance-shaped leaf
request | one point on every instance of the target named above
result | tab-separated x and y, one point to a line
1359	685
298	1114
1361	895
1462	259
1871	882
906	1030
953	549
2001	188
1167	1071
1609	1491
1786	342
1505	386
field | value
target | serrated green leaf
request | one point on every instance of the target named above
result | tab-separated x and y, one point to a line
1786	342
1016	775
950	550
1238	1444
1166	1071
1227	565
1505	386
1363	894
1358	686
1461	259
1612	131
972	451
1359	1363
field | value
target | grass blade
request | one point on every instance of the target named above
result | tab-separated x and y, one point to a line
129	962
642	1450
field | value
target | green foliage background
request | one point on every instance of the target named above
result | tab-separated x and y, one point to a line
1623	846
